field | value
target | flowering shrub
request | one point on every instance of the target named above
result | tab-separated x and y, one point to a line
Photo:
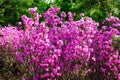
104	58
57	48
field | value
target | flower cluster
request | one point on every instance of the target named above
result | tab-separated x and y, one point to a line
57	49
105	60
112	21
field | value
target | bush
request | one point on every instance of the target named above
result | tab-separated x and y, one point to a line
61	48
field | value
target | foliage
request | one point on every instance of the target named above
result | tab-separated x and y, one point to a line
97	9
12	10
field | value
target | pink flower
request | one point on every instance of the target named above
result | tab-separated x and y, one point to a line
33	10
63	14
81	14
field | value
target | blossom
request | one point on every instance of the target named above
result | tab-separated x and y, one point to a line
33	10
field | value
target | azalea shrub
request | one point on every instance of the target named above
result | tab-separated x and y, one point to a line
61	48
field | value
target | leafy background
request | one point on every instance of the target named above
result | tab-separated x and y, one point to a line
12	10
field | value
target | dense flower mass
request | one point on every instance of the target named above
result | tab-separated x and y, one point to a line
61	49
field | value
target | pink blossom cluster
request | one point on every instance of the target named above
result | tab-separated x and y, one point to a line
105	60
112	21
55	48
